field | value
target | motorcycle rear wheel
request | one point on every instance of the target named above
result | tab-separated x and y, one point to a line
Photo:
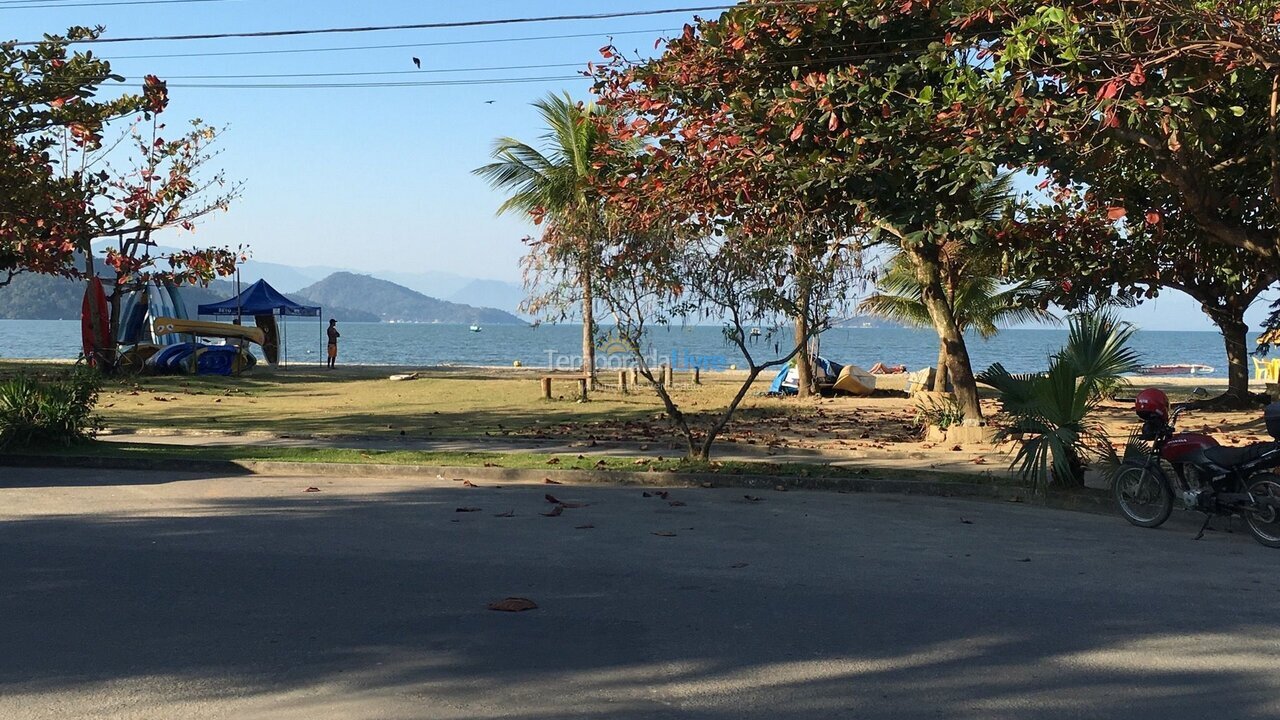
1143	496
1264	523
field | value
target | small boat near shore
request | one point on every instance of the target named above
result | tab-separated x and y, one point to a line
1175	369
474	328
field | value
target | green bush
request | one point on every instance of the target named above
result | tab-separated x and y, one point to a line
35	411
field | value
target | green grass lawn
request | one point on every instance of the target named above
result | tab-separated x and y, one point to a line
520	461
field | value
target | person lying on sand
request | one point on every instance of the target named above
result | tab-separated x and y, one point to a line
882	369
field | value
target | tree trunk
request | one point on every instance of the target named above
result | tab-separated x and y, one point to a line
928	270
940	375
588	326
1235	337
804	363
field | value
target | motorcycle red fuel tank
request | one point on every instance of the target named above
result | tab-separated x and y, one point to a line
1183	444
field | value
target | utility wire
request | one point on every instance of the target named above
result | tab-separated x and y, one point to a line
428	26
397	84
443	43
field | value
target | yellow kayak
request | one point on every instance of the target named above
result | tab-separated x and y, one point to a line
170	326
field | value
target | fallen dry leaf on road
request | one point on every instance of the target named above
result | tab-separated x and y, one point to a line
664	533
573	506
468	483
555	511
676	503
551	499
507	514
979	460
549	481
663	494
646	494
737	566
780	488
312	489
492	465
753	498
553	461
467	509
966	522
514	604
584	527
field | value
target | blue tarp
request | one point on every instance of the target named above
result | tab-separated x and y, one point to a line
259	299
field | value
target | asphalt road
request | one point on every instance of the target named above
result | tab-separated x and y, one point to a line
126	595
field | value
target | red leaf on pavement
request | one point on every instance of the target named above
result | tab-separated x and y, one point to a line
513	604
555	511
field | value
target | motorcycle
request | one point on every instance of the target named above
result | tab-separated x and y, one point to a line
1209	478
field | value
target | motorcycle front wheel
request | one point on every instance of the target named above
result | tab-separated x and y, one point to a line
1264	518
1143	496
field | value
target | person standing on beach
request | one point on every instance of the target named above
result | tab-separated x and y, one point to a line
333	342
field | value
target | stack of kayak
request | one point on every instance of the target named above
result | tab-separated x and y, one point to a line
196	358
200	359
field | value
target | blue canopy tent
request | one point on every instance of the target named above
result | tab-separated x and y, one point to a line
262	299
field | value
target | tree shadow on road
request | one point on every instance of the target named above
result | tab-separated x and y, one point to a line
374	603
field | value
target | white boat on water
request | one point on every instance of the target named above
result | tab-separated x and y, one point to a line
1175	369
474	328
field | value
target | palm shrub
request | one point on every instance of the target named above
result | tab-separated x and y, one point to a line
35	411
1052	411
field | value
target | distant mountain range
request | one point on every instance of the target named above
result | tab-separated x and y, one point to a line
396	303
343	295
506	296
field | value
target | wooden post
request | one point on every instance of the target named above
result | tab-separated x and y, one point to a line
635	377
546	388
697	376
622	381
668	375
582	387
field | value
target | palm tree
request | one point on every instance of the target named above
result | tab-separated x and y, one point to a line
978	300
1051	410
555	184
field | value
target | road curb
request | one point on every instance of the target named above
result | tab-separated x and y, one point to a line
1093	502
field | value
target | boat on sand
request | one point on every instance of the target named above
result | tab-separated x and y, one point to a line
1175	369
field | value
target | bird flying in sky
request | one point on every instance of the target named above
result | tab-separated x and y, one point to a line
417	63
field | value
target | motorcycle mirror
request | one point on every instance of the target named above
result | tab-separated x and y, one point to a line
1200	392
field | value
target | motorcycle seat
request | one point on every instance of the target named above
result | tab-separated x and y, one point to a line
1234	457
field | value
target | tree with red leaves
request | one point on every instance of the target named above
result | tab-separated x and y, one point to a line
64	187
868	115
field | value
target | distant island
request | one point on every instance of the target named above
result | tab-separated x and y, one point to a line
346	296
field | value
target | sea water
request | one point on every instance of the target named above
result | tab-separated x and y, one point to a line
560	346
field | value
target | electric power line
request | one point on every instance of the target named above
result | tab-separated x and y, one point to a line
428	26
442	43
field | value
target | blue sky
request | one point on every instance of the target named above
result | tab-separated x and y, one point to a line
378	179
